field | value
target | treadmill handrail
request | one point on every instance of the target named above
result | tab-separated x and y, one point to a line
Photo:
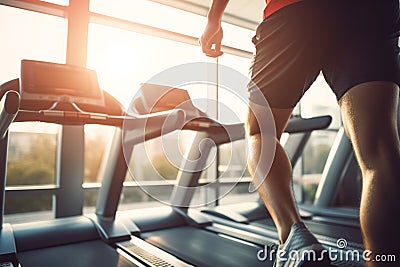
81	118
301	125
145	127
9	106
188	181
224	133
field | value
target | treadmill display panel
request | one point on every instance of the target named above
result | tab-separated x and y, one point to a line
59	83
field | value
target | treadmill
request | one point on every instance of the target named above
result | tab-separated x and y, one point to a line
192	235
69	95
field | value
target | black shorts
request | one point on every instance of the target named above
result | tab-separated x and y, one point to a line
350	41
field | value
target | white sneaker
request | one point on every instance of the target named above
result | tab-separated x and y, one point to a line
300	249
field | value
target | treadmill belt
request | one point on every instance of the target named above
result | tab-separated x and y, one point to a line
86	254
203	248
321	228
329	230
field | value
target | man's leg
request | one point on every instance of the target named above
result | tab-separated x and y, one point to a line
369	112
276	188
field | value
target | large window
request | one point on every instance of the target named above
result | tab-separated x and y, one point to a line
32	146
124	59
29	35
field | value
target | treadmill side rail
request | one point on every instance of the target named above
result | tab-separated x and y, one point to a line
8	251
110	230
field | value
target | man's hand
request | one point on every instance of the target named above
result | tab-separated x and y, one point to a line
210	41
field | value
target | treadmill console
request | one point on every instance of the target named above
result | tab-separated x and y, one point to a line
52	82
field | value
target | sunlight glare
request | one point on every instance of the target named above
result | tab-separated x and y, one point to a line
118	59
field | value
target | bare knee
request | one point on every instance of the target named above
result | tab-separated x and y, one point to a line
369	113
376	146
252	127
379	153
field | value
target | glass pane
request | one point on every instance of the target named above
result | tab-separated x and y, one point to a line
308	170
135	198
313	161
316	151
239	194
28	208
151	165
32	153
200	197
169	18
206	196
90	200
141	166
320	100
45	39
238	37
150	162
151	13
124	59
233	101
97	140
58	2
233	109
233	160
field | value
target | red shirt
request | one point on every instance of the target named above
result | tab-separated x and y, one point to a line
275	5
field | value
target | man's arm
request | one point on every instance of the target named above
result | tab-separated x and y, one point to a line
210	41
